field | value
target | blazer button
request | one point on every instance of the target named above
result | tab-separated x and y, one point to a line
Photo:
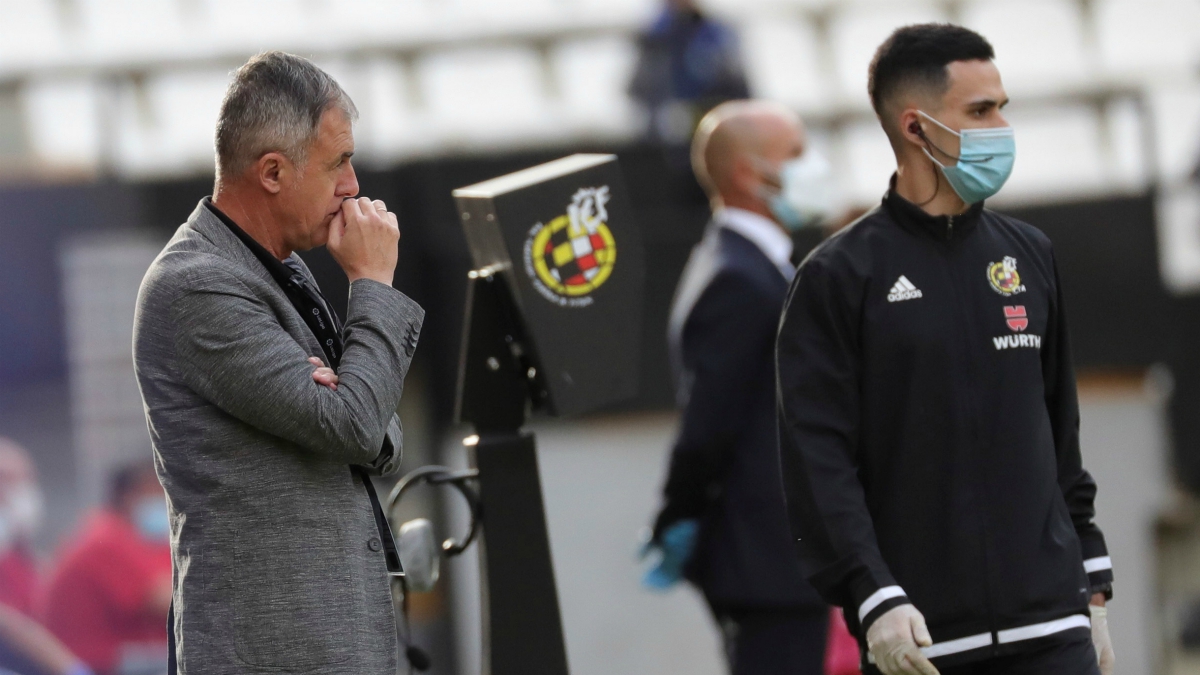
374	544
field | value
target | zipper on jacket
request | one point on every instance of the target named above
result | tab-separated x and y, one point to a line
963	308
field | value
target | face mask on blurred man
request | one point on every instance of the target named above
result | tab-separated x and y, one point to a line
26	507
985	160
806	191
20	514
150	517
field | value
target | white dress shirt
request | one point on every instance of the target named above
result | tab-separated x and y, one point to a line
763	233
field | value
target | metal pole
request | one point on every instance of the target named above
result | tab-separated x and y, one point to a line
522	624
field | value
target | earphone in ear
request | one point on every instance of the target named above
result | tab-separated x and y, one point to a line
915	128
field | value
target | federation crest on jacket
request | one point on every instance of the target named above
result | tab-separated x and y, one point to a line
1004	277
573	254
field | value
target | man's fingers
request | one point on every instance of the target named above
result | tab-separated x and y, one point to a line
353	210
920	631
896	664
389	218
918	664
325	376
316	362
337	228
1107	662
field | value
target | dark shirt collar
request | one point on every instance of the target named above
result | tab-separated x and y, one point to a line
942	228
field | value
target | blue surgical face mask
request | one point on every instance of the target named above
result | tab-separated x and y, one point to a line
806	194
150	517
984	162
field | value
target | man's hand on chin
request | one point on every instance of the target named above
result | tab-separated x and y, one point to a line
363	239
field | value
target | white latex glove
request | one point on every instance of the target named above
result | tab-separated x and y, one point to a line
1100	638
895	640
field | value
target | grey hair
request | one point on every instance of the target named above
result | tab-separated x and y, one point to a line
274	104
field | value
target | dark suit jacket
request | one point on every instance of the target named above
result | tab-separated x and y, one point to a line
725	464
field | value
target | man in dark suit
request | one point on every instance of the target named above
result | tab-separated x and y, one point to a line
723	523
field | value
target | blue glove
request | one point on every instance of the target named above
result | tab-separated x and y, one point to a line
677	544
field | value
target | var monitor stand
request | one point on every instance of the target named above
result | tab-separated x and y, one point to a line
553	324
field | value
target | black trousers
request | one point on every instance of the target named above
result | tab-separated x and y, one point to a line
1077	657
774	642
172	668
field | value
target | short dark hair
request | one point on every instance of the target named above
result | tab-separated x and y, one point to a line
917	55
274	104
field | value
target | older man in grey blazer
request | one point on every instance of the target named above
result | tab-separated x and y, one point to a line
266	413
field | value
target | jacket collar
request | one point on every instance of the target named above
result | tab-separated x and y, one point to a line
279	269
207	224
943	228
774	243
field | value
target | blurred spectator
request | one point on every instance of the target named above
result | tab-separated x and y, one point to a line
688	63
20	517
25	647
108	595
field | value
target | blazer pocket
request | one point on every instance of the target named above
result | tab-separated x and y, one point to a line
294	604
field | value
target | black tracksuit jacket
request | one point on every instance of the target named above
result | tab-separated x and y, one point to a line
929	432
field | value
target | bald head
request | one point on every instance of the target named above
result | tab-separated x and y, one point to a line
736	139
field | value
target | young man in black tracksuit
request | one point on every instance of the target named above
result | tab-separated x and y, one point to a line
929	425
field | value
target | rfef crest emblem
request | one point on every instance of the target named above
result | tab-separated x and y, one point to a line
1004	278
573	254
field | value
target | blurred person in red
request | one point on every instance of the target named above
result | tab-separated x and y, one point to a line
25	647
20	517
108	595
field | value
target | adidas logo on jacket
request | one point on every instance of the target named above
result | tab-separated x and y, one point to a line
903	290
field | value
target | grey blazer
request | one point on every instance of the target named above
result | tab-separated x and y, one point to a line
278	563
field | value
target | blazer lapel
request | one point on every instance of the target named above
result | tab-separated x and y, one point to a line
207	225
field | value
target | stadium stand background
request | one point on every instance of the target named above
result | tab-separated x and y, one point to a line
106	120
